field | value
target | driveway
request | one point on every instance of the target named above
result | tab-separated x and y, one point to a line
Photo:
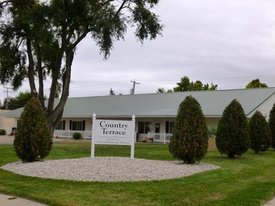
5	139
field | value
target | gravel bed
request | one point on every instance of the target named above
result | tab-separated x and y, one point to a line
107	169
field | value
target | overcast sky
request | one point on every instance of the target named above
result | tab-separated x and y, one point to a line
227	42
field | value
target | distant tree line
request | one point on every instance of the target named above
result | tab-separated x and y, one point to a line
186	85
16	102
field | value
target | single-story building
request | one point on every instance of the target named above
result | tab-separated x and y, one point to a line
7	123
155	113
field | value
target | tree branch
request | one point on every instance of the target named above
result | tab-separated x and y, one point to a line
31	67
40	75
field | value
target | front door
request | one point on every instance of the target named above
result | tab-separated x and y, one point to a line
157	131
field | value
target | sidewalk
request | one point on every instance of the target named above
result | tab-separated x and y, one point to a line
6	200
271	203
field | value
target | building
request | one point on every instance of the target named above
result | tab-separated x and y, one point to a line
7	123
155	113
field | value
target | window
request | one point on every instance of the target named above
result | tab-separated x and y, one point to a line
61	125
169	126
143	127
77	125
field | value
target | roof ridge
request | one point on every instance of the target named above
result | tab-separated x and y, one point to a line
171	93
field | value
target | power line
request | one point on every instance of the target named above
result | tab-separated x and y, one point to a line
134	86
7	91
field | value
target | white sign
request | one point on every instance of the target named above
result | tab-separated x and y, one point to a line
113	132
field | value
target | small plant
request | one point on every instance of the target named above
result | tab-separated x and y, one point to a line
233	133
190	139
2	132
259	133
77	136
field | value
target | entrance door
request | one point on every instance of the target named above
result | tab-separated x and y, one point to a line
157	131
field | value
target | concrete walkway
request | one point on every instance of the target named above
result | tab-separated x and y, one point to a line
6	200
271	203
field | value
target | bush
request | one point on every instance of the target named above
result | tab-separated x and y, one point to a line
33	138
232	134
259	133
189	141
2	132
77	136
212	132
272	125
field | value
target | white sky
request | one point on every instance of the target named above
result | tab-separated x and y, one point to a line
227	42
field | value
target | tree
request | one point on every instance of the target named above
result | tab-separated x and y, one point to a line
18	101
183	85
162	90
190	137
272	125
33	139
232	133
255	83
186	85
39	40
259	133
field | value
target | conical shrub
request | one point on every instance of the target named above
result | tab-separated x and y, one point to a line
233	133
259	133
190	139
272	125
33	138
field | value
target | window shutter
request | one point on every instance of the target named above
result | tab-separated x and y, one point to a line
64	124
83	125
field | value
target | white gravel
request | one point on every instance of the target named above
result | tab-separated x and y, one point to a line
107	169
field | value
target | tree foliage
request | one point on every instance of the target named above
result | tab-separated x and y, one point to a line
161	90
17	102
259	133
255	83
186	85
39	39
190	138
32	139
272	125
233	132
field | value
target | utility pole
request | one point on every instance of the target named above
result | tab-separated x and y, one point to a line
7	91
134	86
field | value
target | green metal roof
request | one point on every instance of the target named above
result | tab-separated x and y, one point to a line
161	105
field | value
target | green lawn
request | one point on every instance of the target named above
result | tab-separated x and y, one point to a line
248	180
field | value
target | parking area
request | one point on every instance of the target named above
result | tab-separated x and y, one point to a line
5	139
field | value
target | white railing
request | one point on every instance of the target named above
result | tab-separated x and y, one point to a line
68	134
159	137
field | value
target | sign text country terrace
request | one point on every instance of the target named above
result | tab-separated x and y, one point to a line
113	132
108	128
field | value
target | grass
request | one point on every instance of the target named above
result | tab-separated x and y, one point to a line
248	180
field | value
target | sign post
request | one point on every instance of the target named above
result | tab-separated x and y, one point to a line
113	132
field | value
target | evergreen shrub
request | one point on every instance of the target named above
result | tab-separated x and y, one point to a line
2	132
233	132
272	125
33	137
189	141
259	133
77	136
